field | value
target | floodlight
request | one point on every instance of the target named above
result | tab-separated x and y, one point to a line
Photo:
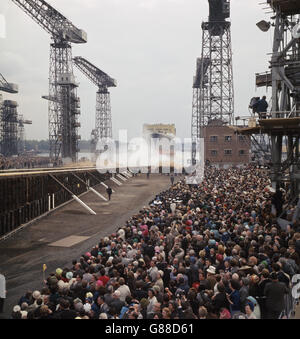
264	25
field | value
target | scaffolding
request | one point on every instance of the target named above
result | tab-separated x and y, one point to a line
282	124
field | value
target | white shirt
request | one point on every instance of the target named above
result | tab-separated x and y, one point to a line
2	287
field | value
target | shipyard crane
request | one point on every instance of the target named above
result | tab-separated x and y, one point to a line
64	105
21	139
8	124
213	92
103	128
7	87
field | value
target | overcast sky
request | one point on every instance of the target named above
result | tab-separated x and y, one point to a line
149	46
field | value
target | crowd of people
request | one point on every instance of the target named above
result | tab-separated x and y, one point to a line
207	251
23	162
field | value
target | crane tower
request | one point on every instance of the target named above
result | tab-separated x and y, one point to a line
213	95
103	127
8	120
64	105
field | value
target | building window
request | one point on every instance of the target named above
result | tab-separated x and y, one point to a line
242	152
228	138
228	152
242	138
214	138
214	153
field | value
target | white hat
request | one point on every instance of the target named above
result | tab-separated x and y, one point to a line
17	308
211	270
36	295
87	307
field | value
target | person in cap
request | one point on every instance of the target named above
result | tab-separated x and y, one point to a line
249	308
256	311
211	277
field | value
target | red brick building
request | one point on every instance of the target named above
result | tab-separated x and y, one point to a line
223	147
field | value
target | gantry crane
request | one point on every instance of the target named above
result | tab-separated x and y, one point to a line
64	105
8	120
103	128
7	87
21	131
213	98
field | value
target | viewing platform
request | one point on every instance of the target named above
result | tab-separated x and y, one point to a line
285	124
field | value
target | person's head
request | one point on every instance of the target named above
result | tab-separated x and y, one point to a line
166	313
150	293
171	306
116	294
103	316
156	307
249	308
221	287
245	281
274	276
44	311
128	299
202	312
234	284
64	304
224	314
133	315
100	300
265	273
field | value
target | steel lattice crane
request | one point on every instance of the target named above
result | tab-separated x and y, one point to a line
64	105
103	128
6	87
8	120
21	137
213	98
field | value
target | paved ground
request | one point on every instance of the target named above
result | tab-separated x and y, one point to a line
54	240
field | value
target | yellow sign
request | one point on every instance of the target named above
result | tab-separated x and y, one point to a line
160	128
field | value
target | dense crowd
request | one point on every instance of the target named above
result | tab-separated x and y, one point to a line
23	162
208	251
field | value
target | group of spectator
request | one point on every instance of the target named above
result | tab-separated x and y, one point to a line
23	162
220	254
